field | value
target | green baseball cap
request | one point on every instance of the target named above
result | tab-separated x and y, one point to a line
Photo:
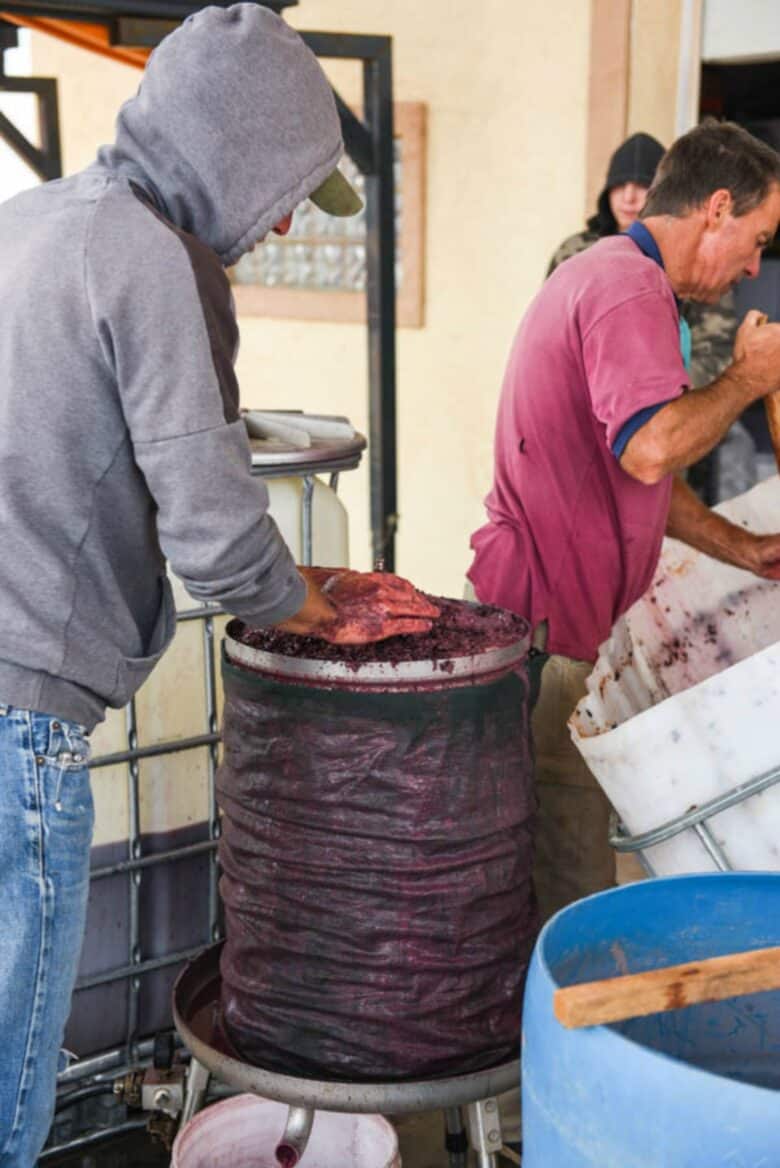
337	196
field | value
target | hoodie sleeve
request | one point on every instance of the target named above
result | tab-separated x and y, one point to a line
162	308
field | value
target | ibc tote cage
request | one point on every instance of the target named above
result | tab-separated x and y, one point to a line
369	142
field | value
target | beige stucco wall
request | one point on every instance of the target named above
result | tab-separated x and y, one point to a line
505	83
653	69
635	77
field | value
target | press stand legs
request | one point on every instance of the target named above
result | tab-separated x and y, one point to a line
197	1085
455	1138
484	1123
485	1131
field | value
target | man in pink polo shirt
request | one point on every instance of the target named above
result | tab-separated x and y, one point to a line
594	421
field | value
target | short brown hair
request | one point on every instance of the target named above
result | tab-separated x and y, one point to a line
711	157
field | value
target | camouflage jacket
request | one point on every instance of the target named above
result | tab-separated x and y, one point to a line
712	326
572	247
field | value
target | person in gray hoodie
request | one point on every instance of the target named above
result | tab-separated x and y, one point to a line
121	447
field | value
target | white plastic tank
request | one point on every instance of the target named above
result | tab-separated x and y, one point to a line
330	526
307	446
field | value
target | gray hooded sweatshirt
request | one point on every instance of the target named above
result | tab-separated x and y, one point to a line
120	439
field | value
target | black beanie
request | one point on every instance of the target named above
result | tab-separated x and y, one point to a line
634	161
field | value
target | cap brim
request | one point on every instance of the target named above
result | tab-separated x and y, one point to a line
336	196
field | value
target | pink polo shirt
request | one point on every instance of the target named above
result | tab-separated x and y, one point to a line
572	538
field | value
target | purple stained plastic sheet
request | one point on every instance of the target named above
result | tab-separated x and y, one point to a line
376	857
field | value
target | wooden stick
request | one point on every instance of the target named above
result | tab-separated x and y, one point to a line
634	995
772	408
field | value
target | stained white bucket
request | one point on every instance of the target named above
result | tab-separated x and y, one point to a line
683	705
244	1132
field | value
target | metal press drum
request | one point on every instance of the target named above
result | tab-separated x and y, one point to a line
376	850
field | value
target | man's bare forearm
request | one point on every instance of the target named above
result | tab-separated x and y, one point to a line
686	429
694	523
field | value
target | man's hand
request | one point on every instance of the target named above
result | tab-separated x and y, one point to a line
316	613
745	333
757	354
759	554
355	608
371	606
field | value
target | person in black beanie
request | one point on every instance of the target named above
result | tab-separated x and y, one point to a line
630	173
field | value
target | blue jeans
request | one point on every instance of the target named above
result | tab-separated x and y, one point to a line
46	819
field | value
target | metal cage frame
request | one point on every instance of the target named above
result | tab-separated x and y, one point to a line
44	160
696	820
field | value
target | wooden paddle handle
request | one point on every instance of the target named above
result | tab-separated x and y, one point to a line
772	407
634	995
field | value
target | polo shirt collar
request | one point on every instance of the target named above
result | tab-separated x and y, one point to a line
645	242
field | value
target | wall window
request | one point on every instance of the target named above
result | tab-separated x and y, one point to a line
318	270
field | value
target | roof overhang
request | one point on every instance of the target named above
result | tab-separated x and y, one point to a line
124	30
106	9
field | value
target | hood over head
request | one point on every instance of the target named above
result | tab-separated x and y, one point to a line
635	160
233	125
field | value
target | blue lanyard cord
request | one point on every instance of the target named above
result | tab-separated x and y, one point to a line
685	343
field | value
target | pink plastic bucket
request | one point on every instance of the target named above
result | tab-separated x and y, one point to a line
244	1132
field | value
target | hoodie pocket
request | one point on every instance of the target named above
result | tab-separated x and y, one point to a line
132	672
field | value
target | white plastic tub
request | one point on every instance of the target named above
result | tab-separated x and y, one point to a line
683	704
243	1132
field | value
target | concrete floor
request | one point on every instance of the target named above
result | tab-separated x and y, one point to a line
421	1140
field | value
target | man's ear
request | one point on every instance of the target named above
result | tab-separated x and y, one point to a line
718	207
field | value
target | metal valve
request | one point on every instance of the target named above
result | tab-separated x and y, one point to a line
159	1088
127	1089
163	1090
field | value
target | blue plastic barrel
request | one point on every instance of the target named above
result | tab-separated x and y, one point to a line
691	1088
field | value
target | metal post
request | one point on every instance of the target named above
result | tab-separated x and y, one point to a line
307	537
380	289
134	881
213	759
